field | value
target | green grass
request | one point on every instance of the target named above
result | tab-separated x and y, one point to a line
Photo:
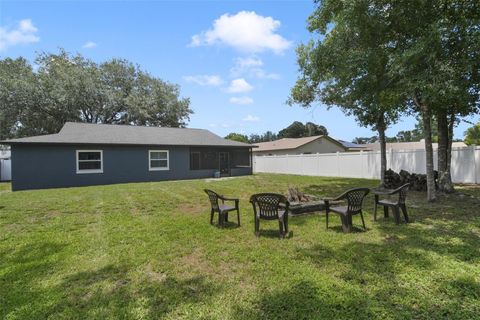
146	250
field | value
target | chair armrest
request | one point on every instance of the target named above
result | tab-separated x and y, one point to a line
230	199
400	188
340	197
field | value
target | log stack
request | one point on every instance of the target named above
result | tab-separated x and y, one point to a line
294	195
418	182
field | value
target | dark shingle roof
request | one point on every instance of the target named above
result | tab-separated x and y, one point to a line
347	144
85	133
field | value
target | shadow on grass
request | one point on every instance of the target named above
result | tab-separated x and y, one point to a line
270	233
107	292
21	273
110	293
305	300
407	248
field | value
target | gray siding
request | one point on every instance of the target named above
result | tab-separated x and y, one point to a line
54	166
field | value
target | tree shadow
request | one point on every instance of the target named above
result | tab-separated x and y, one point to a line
305	300
110	292
113	291
21	273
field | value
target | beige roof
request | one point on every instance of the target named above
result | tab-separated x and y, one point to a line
410	145
289	143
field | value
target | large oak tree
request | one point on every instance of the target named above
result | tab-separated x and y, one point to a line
66	87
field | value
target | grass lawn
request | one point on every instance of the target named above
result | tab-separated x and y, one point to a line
146	250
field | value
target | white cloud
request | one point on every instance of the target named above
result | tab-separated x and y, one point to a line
23	33
245	31
89	45
204	80
250	118
248	62
252	67
239	85
241	100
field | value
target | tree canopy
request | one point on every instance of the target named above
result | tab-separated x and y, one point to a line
378	59
66	87
472	135
237	137
299	130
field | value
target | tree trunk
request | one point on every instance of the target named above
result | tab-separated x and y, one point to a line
427	129
451	124
444	153
383	149
426	113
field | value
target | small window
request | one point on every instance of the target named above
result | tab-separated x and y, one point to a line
89	161
158	160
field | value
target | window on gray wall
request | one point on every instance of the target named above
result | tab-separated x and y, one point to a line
89	161
158	160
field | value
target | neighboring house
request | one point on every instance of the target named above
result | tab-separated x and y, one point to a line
5	165
353	146
4	154
306	145
93	154
418	145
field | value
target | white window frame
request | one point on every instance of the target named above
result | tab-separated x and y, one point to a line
150	168
89	170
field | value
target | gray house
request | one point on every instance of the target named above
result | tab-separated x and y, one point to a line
94	154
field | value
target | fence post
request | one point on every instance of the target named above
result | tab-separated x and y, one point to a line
362	169
390	161
474	163
338	164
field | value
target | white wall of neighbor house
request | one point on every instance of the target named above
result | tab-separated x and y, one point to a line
317	146
5	170
366	164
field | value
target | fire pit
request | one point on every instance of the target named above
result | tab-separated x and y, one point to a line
301	203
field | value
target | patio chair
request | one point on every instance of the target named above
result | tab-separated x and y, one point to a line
222	208
396	205
354	199
270	206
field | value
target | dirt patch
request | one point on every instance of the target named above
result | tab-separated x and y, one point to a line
190	209
154	275
195	261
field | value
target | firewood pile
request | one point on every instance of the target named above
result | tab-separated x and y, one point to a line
294	195
418	182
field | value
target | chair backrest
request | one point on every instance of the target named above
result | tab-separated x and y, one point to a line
213	197
355	199
402	193
266	205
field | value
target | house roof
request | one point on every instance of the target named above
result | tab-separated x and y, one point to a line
290	143
351	145
85	133
417	145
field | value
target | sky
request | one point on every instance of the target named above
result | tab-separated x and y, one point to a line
235	60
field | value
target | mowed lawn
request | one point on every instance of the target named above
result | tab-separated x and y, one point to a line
147	250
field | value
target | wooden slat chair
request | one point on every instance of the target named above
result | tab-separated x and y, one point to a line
222	208
354	198
396	205
270	206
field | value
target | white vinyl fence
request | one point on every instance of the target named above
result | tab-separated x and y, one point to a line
366	164
5	170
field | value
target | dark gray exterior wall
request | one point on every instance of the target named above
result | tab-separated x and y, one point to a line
37	166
